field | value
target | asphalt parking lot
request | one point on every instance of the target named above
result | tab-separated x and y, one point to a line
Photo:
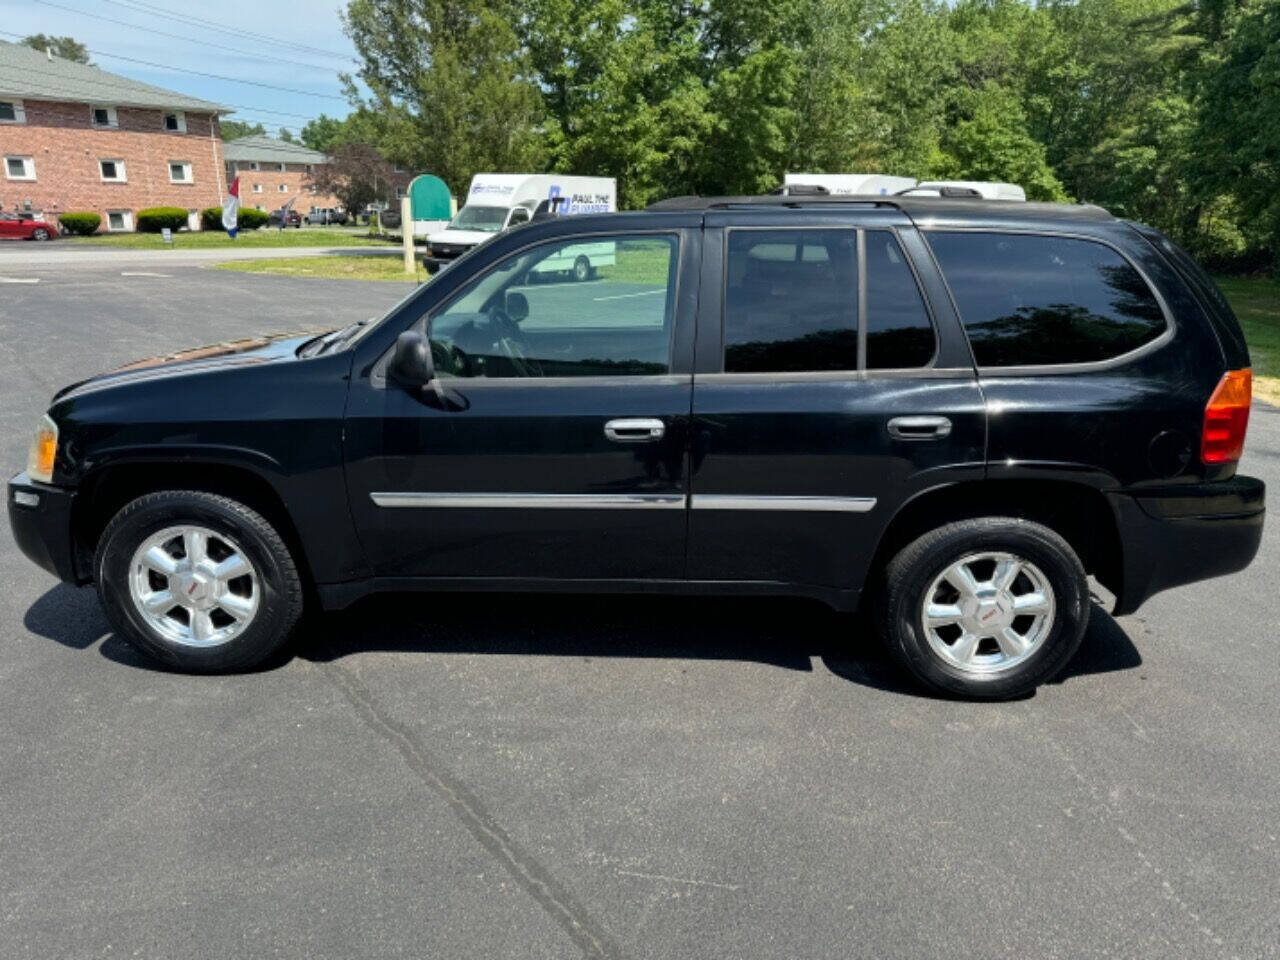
519	777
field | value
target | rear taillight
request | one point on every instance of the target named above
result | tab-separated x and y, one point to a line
1226	416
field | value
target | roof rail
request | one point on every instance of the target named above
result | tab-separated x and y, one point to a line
912	206
769	200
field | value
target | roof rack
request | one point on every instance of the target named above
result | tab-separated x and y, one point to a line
919	206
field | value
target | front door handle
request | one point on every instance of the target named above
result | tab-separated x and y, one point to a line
635	430
919	428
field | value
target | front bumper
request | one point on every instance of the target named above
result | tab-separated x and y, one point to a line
40	518
1179	535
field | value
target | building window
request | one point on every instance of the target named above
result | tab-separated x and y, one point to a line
180	172
399	193
258	206
11	112
175	122
103	117
257	188
112	171
19	168
119	220
253	165
283	188
280	167
311	190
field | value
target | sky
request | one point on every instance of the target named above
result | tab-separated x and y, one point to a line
298	44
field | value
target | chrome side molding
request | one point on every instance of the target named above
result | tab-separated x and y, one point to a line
623	501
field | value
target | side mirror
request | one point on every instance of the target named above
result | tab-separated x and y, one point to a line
411	363
517	307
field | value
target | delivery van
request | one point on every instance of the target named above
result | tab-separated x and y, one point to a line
497	201
849	184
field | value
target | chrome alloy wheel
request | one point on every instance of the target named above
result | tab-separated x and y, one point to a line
988	612
194	586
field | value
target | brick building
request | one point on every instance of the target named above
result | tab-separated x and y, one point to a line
76	138
273	172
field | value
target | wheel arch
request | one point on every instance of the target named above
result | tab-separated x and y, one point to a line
1079	513
102	492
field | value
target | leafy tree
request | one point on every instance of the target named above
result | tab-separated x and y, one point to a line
285	135
65	47
322	133
356	174
235	129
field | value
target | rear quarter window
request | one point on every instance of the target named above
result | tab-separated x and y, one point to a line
1031	300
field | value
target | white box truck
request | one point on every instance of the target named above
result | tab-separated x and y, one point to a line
497	201
985	189
849	184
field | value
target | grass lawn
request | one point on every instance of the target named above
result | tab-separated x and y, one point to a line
335	268
217	239
1256	303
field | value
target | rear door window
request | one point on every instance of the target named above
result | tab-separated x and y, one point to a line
791	301
1033	300
899	332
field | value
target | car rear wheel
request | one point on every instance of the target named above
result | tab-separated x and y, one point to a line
988	608
198	581
39	233
582	269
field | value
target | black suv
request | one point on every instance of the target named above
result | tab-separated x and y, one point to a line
954	409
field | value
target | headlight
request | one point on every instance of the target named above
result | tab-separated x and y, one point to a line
44	447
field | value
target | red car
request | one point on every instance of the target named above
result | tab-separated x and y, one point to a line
24	226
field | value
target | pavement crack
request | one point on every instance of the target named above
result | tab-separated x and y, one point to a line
535	879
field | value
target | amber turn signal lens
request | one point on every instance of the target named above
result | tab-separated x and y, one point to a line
1226	416
44	449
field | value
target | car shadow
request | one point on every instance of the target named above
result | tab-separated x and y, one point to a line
788	633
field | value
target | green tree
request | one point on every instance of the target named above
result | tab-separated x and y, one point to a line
65	47
322	133
235	129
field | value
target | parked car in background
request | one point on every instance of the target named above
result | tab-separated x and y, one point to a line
21	225
324	216
951	412
287	218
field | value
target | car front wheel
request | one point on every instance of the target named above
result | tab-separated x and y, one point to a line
40	233
198	581
987	608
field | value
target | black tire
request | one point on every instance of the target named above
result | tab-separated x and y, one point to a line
39	233
582	269
279	605
914	569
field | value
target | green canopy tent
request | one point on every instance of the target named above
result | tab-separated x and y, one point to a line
431	204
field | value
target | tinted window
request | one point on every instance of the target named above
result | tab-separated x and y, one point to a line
529	317
899	333
791	301
1045	300
7	112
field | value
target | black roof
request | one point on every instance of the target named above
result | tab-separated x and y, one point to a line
914	207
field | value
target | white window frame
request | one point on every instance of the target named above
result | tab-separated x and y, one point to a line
122	175
279	168
179	116
253	164
188	176
113	119
282	188
126	220
19	112
257	188
28	166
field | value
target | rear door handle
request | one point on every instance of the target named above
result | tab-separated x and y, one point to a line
635	430
919	428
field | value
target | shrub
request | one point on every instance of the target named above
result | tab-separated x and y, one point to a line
79	224
155	219
248	219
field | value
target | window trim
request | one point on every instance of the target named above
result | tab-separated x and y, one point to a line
122	170
187	168
181	117
1043	369
19	113
378	374
28	164
127	216
256	188
113	118
929	369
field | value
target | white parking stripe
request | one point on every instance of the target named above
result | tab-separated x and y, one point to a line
624	296
143	273
19	279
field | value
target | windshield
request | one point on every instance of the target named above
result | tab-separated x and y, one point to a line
484	219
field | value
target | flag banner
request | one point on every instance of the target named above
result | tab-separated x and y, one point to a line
231	209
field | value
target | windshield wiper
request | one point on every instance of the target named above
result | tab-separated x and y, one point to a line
336	339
